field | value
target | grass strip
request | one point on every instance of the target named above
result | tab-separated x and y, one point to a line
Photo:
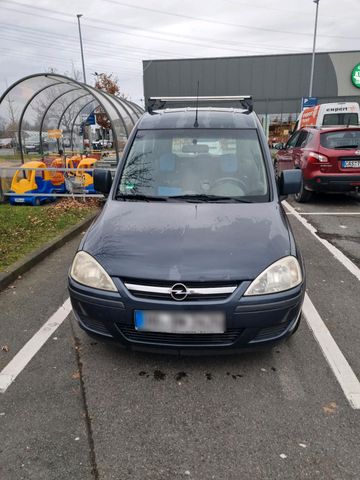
26	228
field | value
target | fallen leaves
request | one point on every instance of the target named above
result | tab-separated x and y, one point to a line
5	348
66	204
25	228
76	375
330	408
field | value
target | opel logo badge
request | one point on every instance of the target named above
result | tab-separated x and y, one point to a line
179	292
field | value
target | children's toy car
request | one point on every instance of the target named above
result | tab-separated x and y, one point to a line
32	178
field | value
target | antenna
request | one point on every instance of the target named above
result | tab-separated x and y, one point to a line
196	123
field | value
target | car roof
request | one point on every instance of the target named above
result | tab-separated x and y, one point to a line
338	128
207	118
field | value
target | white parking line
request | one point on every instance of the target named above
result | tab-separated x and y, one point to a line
332	249
335	358
23	357
338	214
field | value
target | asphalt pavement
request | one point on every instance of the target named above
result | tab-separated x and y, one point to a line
83	409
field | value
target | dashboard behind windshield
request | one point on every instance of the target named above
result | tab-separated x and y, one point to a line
184	163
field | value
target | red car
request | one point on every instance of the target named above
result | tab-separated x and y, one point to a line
328	157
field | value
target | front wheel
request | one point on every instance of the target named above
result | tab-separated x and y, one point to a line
303	195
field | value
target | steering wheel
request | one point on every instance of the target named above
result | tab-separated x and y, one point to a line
240	184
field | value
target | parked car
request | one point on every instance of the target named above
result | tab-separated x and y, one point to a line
32	147
329	159
6	143
192	249
101	144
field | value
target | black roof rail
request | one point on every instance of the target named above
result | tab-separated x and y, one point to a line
158	103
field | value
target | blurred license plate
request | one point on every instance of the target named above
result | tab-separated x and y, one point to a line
19	200
180	322
350	164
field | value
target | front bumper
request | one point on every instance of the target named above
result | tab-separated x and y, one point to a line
250	321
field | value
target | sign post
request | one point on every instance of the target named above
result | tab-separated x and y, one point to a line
56	134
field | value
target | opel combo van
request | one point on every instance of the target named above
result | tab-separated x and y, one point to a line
192	250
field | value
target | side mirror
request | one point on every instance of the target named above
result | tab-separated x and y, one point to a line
279	146
290	182
102	180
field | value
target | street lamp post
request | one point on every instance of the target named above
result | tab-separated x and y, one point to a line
313	52
81	46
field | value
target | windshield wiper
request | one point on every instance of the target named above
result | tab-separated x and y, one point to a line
339	147
202	197
140	197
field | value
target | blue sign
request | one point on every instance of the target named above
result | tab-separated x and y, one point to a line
91	119
307	102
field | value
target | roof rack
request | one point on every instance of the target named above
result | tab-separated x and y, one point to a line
158	103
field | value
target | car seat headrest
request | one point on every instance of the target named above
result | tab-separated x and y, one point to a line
167	162
228	163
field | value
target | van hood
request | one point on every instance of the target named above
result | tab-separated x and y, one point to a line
187	241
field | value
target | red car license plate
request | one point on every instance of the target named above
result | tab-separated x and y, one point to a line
350	164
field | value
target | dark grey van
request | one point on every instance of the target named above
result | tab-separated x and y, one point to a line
193	249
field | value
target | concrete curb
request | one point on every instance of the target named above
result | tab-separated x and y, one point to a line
33	258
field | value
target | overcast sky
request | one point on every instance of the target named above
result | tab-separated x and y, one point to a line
118	35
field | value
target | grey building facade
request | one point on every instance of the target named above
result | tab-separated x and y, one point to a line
276	82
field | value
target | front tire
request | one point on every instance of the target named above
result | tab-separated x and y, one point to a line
303	195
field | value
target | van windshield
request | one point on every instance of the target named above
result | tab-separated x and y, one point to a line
203	164
333	119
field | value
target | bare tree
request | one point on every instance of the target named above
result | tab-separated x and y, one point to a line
60	106
12	126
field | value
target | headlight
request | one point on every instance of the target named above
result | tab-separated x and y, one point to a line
87	271
281	275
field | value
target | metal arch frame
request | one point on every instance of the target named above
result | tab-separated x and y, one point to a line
28	77
46	111
67	108
23	114
136	108
108	97
101	104
67	80
127	106
76	116
117	100
121	102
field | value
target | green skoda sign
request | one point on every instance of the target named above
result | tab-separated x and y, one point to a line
355	76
